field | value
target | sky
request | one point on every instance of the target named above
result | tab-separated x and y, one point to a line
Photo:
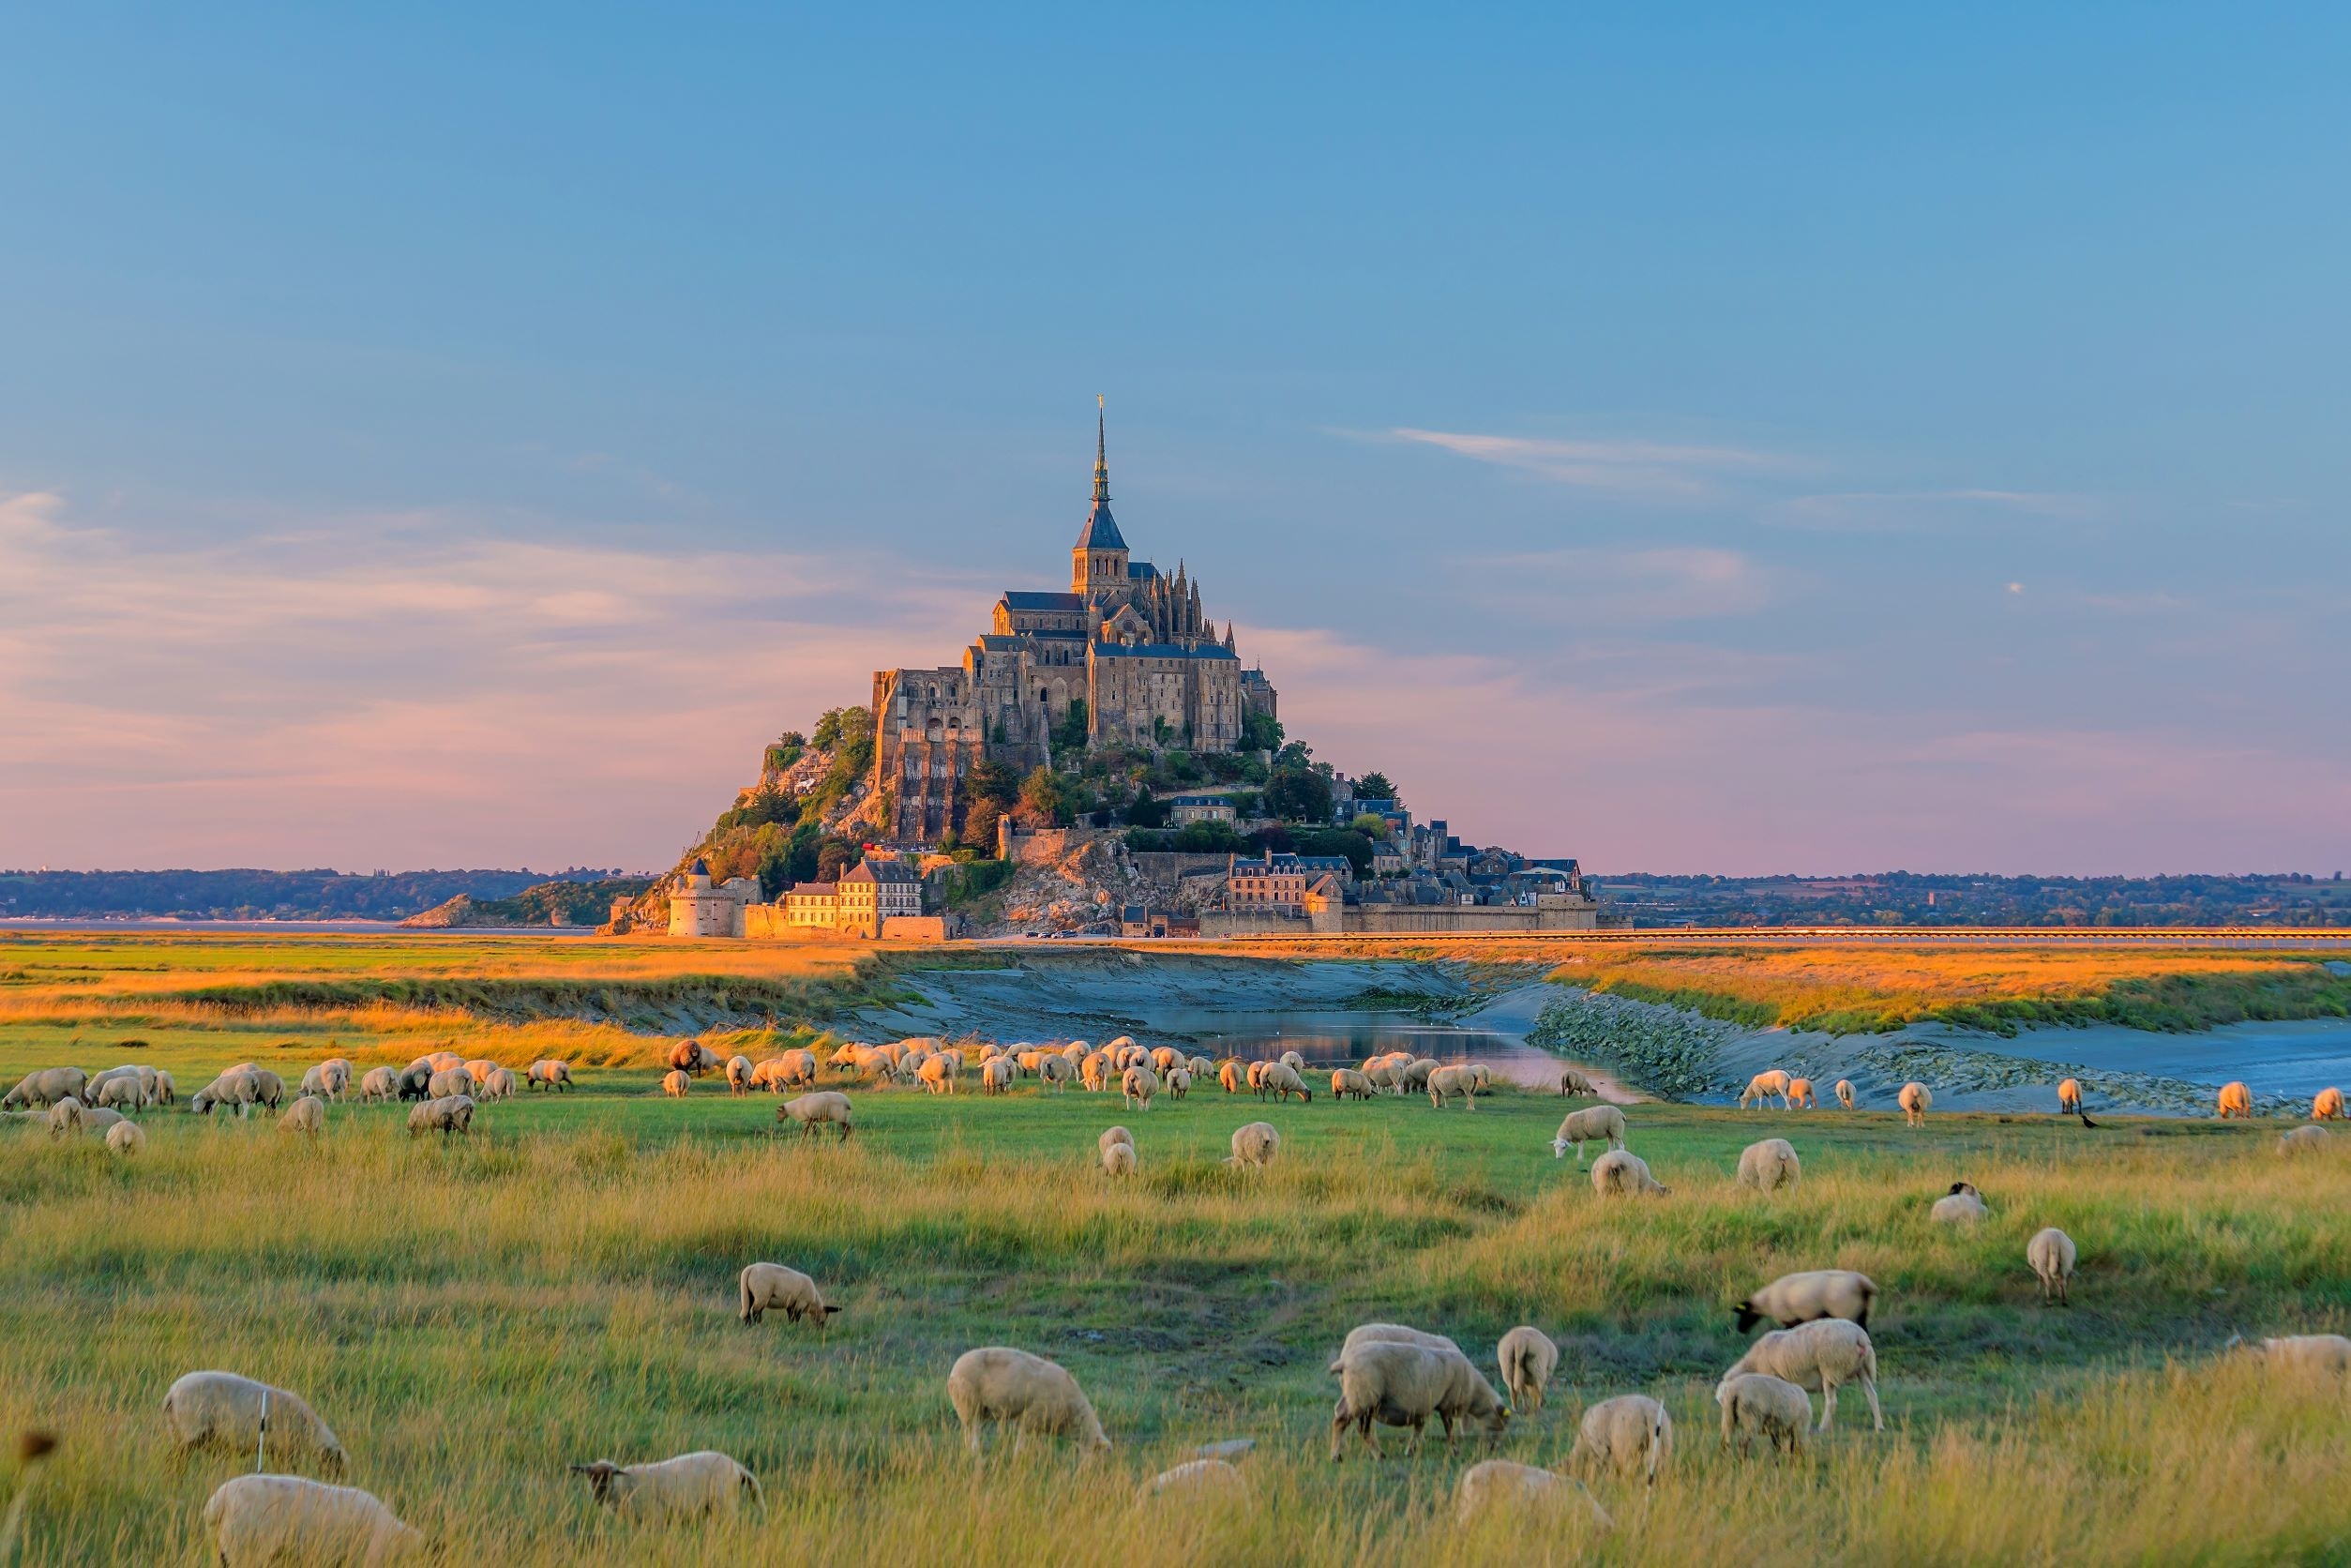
1720	439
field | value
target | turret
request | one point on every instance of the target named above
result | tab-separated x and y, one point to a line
1099	559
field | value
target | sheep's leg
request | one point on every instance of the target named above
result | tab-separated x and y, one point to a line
1827	1402
1877	1416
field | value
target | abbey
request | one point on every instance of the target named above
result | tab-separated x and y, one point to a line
1127	651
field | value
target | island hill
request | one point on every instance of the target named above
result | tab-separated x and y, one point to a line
1101	760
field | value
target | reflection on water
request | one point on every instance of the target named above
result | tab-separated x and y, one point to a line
1344	1038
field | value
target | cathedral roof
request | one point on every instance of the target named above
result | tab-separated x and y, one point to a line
1021	598
1102	530
1163	650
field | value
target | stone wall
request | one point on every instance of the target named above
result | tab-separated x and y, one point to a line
1376	919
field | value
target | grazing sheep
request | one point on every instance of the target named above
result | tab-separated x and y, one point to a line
1255	1144
1416	1073
1822	1354
1761	1087
1139	1086
2235	1100
1000	1384
937	1075
1056	1071
1403	1385
818	1110
1506	1483
1845	1092
1527	1358
307	1115
676	1083
450	1082
225	1410
1346	1082
1233	1076
1094	1071
692	1056
2327	1106
1801	1094
771	1285
498	1085
1394	1334
452	1114
415	1079
1580	1127
67	1116
1383	1077
1962	1205
2303	1140
1115	1134
166	1091
381	1083
232	1088
478	1068
1119	1160
2070	1097
550	1074
1631	1432
1770	1165
269	1089
1294	1061
1179	1082
798	1070
689	1486
1574	1082
996	1075
1197	1481
2051	1254
1916	1100
98	1120
2316	1358
1166	1057
314	1081
1773	1408
117	1093
1031	1061
738	1075
125	1138
1257	1077
1447	1082
1281	1081
443	1060
1620	1172
1814	1294
258	1520
46	1086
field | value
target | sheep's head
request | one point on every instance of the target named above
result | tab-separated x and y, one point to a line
332	1459
1558	1148
1748	1316
600	1475
1967	1187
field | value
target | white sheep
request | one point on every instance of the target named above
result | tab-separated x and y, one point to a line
1179	1082
1620	1172
1233	1075
1801	1298
307	1115
1631	1432
2327	1105
1164	1057
1346	1082
1281	1081
1139	1086
1197	1481
1294	1061
1801	1094
66	1117
1446	1083
2316	1358
1056	1072
451	1115
1119	1160
1761	1087
125	1138
2234	1099
118	1093
1845	1092
2303	1140
1770	1164
1581	1126
1527	1358
1394	1334
450	1082
771	1285
1574	1082
1962	1205
675	1083
1916	1100
1115	1134
1756	1405
381	1083
166	1090
45	1087
1403	1385
2070	1097
1255	1144
997	1383
996	1075
225	1410
689	1486
1824	1354
498	1085
738	1075
548	1073
822	1108
1506	1483
259	1520
2051	1254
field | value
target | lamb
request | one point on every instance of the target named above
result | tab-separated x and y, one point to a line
1574	1082
1845	1092
2327	1106
452	1114
258	1520
448	1083
1346	1082
1233	1076
1139	1084
1580	1127
2312	1357
818	1110
125	1138
997	1383
1118	1159
2070	1097
1773	1408
1770	1165
307	1115
226	1411
1197	1480
1800	1093
1281	1081
1527	1358
1255	1144
1621	1172
1916	1100
46	1086
692	1056
2051	1254
738	1075
2302	1140
1522	1489
1628	1433
1179	1082
2235	1100
1814	1294
1962	1205
996	1075
1403	1385
771	1285
936	1075
1822	1354
1446	1082
381	1083
691	1485
1761	1087
498	1085
548	1073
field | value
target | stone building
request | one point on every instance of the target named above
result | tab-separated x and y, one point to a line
697	909
1127	646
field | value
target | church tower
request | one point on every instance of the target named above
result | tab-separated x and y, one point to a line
1098	563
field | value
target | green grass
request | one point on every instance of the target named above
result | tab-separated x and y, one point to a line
472	1316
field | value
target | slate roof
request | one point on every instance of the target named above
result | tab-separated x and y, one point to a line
1021	598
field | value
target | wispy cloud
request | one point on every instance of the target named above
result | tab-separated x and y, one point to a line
1919	511
1633	469
1668	583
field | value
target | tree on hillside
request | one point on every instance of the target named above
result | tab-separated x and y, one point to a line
1044	800
1146	811
1300	791
1261	732
1375	786
1370	826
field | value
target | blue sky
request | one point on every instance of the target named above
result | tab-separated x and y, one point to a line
1688	438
